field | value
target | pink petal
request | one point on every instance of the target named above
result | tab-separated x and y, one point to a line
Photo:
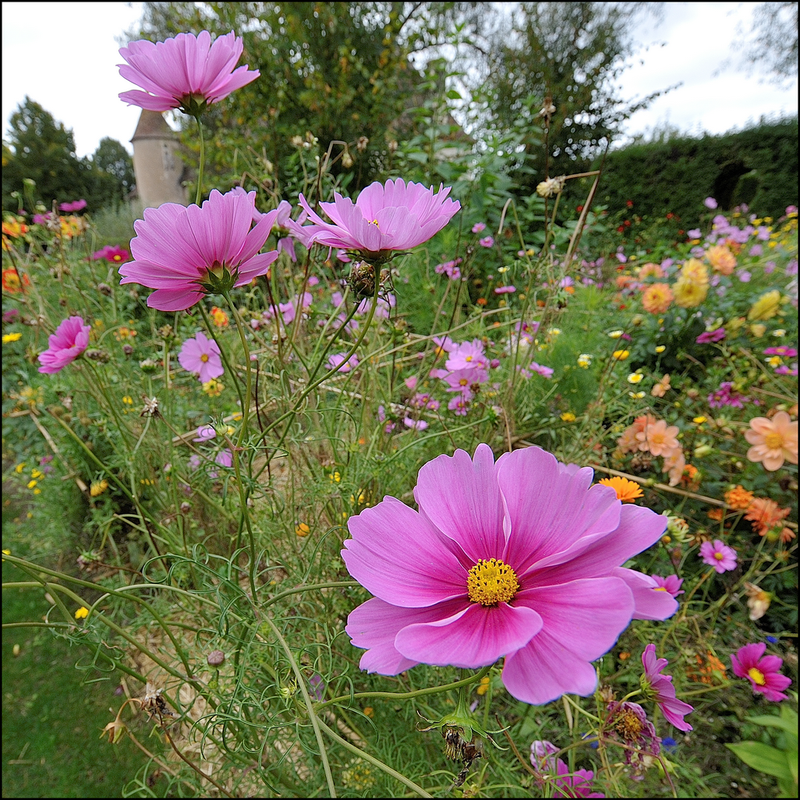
462	499
648	601
397	555
471	638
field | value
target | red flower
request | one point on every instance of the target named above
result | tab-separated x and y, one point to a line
629	203
11	281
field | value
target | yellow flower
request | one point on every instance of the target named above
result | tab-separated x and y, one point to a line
335	476
11	337
19	468
635	377
689	294
220	317
213	388
660	348
32	484
82	613
766	307
620	355
758	329
694	271
127	400
98	487
721	259
775	361
584	360
302	529
636	395
699	420
483	686
568	416
369	711
627	490
616	334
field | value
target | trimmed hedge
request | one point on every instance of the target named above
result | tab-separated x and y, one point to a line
756	166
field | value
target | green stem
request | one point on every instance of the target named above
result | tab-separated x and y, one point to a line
408	695
201	168
223	355
374	761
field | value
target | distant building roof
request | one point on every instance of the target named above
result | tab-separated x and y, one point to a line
152	125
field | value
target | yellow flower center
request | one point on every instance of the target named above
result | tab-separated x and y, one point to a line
773	440
660	588
719	556
204	358
491	582
757	676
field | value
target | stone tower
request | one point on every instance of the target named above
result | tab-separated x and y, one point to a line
156	162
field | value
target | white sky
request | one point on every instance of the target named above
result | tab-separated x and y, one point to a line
64	57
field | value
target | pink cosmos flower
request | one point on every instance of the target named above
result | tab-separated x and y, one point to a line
505	290
337	359
671	584
385	218
224	458
116	255
659	687
487	241
204	433
467	355
66	344
75	205
201	355
718	555
711	336
520	558
565	783
763	673
187	72
478	227
184	253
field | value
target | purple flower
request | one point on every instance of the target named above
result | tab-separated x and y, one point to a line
415	424
184	253
659	688
487	241
565	783
505	290
201	355
781	350
725	396
763	673
694	233
711	336
289	310
467	355
449	268
628	721
75	205
385	218
718	555
520	558
710	202
70	339
337	359
187	72
744	276
116	255
671	584
224	458
204	433
478	227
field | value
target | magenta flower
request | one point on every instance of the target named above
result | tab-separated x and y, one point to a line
467	355
718	555
710	202
75	205
116	255
659	687
505	290
204	433
187	72
487	241
337	360
478	227
711	336
384	218
565	783
520	558
224	458
201	355
66	344
184	253
671	584
781	350
763	673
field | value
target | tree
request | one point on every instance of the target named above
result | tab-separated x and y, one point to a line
112	158
571	53
771	42
44	151
341	71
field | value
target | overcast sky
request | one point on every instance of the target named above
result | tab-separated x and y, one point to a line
64	56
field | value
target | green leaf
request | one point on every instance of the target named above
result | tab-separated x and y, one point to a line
453	95
763	758
788	725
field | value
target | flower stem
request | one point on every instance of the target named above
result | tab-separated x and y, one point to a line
201	168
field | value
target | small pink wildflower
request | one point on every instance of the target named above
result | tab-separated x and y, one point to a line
201	355
487	241
658	687
70	339
337	360
671	584
505	290
763	673
718	555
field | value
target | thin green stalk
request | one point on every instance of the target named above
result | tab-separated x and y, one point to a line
315	721
223	355
374	761
201	168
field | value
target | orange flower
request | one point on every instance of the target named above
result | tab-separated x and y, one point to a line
662	387
787	534
11	282
657	298
765	514
721	259
649	270
739	498
691	477
674	464
716	514
774	441
627	490
628	442
706	669
659	438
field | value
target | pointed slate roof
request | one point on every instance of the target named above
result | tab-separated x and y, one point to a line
152	125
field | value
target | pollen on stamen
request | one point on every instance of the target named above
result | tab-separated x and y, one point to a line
491	582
